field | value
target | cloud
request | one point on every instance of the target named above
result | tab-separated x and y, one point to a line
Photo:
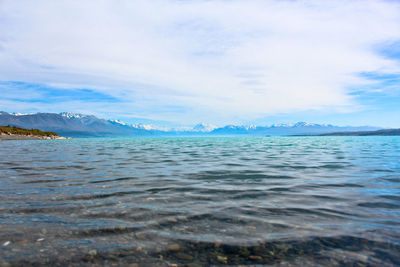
215	61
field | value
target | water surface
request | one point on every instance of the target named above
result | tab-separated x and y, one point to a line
198	201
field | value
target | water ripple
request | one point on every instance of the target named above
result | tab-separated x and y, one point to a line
208	201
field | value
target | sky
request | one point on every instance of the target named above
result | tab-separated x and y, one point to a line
220	62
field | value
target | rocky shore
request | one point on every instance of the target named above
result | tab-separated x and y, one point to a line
28	137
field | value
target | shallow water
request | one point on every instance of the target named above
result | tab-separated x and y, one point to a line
201	201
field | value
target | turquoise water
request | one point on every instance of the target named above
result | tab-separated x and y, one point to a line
198	201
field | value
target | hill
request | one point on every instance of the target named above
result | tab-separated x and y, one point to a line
10	133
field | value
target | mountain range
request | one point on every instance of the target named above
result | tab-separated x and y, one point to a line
78	125
383	132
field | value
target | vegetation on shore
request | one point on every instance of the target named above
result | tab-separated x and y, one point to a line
28	132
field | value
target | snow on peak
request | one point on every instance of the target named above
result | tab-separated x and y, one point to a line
119	122
297	124
71	115
144	126
203	127
136	125
302	124
20	114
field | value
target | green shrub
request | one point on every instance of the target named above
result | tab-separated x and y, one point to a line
16	130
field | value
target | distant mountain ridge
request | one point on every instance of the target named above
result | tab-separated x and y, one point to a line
75	125
289	129
383	132
68	124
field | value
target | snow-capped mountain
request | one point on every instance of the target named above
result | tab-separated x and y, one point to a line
71	124
142	126
203	127
298	128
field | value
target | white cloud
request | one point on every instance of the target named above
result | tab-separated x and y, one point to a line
210	60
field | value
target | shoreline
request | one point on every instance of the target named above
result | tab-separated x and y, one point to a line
29	137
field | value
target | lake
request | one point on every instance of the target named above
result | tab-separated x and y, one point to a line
200	201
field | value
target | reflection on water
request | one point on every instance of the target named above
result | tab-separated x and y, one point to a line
201	201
